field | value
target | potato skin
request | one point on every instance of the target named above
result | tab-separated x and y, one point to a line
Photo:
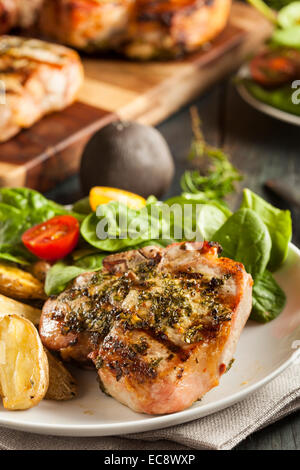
19	284
10	306
39	270
62	385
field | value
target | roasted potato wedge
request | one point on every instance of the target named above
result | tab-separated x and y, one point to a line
9	307
24	372
62	385
19	284
39	269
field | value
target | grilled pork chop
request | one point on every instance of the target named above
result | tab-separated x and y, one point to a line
86	24
160	325
142	29
168	28
38	78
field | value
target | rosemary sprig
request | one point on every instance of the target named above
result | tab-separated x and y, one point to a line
215	176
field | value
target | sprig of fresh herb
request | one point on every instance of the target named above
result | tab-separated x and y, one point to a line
215	176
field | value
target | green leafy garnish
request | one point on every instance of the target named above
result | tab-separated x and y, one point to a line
142	226
82	206
215	176
268	298
279	98
287	28
289	37
278	223
245	238
62	272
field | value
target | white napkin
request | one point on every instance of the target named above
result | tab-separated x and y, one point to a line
222	430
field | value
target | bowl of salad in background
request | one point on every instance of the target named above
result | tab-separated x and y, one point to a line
270	82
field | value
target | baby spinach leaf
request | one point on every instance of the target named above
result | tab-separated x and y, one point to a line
115	227
245	238
61	273
278	222
289	37
82	206
268	298
36	207
16	254
289	15
209	219
187	198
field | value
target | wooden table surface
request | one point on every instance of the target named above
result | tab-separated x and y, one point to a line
262	148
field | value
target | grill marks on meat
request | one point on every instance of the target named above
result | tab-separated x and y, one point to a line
39	78
141	29
161	325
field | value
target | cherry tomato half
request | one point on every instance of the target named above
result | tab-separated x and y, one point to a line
271	69
53	239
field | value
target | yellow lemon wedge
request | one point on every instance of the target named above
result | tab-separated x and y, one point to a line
104	194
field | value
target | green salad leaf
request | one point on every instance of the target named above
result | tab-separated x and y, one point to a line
279	98
200	218
20	209
268	298
287	31
142	226
188	198
82	206
16	254
245	238
289	37
289	15
62	272
278	223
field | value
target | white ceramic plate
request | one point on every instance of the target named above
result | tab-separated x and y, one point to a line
264	351
260	105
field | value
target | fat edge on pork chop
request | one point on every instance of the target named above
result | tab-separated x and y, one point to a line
160	325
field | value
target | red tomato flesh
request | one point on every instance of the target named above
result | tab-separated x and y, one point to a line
53	239
272	69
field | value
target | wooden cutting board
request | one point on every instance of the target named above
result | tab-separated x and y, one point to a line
50	151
